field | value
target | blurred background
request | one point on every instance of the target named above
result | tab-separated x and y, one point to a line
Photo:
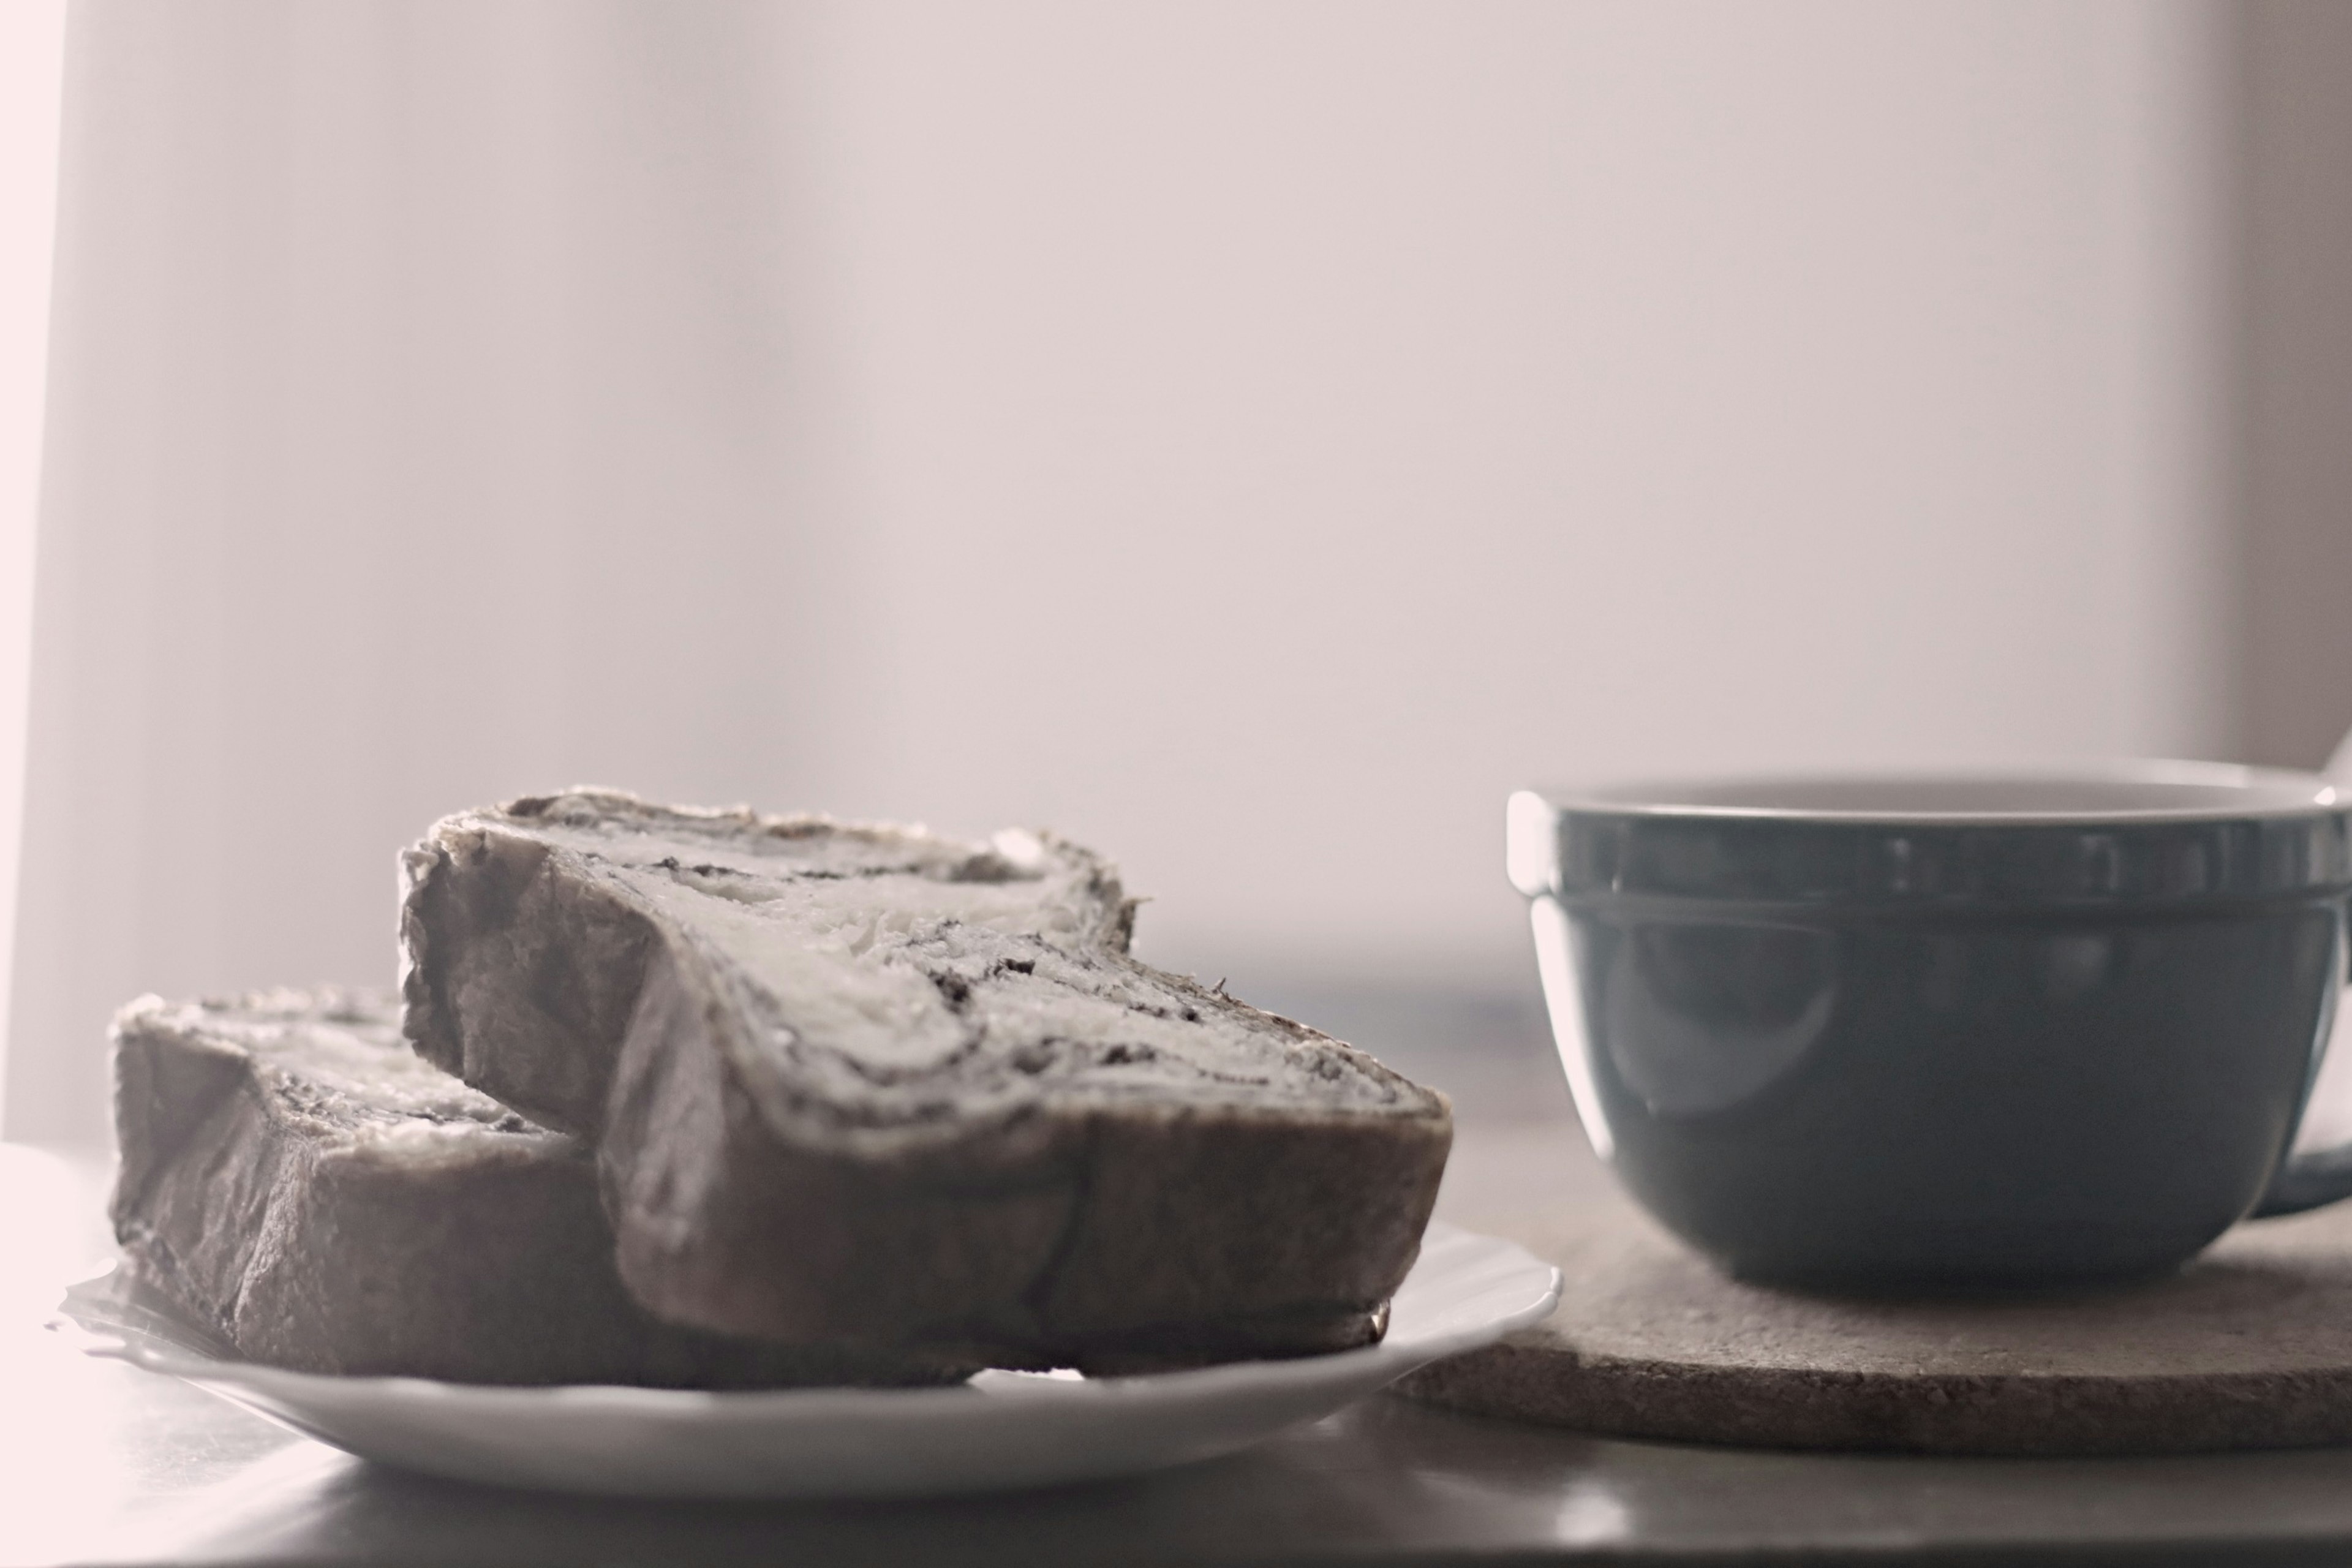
1250	438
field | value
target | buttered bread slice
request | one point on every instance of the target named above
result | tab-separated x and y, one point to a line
866	1083
294	1178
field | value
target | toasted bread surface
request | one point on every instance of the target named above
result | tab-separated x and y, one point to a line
858	1081
297	1180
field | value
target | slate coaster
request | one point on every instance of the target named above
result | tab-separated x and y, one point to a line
2249	1347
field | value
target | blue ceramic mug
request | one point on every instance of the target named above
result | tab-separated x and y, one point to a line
1954	1031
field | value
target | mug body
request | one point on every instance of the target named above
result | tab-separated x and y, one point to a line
1957	1032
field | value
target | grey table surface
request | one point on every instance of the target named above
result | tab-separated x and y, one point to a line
100	1463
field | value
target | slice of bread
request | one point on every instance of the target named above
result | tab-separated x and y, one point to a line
295	1179
865	1083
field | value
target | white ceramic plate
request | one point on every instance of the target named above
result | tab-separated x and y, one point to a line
1001	1430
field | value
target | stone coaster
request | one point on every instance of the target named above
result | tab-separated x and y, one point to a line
2249	1347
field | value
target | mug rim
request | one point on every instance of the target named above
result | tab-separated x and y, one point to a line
2231	792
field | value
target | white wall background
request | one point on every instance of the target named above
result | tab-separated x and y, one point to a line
1251	438
32	53
1281	430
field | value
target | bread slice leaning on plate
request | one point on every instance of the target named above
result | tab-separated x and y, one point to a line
298	1182
865	1083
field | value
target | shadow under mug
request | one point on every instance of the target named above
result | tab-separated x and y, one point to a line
1946	1032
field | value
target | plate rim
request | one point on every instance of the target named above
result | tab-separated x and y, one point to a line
112	1342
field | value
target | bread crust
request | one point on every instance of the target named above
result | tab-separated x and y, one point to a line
1074	1226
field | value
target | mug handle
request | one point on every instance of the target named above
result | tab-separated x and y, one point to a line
2317	1176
